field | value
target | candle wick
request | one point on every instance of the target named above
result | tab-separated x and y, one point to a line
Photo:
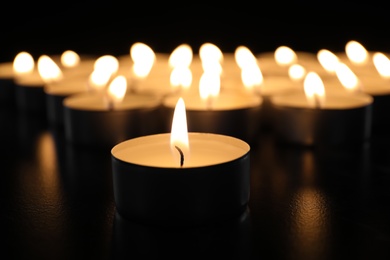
110	105
209	103
181	155
317	102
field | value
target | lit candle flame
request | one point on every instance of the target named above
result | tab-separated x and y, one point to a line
117	90
244	57
382	64
99	79
347	78
143	58
107	63
209	87
70	59
356	52
181	56
252	78
179	134
211	57
48	69
314	89
181	77
285	56
23	63
209	51
328	60
296	72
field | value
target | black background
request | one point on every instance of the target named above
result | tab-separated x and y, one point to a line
111	27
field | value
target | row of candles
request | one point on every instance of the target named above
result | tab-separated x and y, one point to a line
197	114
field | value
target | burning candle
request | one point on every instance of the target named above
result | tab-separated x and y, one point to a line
22	64
316	117
104	68
181	178
29	90
108	117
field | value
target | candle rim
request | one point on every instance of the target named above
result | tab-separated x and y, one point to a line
233	141
72	102
362	100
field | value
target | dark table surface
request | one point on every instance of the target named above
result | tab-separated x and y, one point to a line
306	203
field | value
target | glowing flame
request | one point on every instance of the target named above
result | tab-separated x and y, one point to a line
356	52
143	59
314	89
209	51
382	64
98	79
23	63
244	57
328	60
48	69
296	72
117	89
70	59
181	76
251	77
347	78
181	56
285	56
107	63
211	57
209	86
179	133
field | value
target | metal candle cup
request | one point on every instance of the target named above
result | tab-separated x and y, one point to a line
29	93
57	92
151	187
7	84
89	121
344	119
379	89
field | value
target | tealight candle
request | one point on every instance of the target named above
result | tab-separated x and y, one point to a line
22	64
93	119
313	118
377	86
30	95
181	178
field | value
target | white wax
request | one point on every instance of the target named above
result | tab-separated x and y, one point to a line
206	149
272	85
67	86
375	85
32	79
6	70
226	100
334	100
370	84
269	66
84	67
363	69
96	102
